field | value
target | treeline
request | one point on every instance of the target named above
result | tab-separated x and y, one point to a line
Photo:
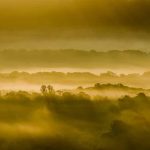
110	91
73	59
76	78
73	121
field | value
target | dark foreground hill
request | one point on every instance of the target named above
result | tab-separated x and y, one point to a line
73	122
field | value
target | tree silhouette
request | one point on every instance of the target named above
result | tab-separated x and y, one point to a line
97	85
43	89
50	89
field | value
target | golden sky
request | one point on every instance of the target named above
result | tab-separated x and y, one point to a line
80	13
75	19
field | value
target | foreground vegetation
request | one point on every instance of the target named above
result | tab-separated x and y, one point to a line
63	120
